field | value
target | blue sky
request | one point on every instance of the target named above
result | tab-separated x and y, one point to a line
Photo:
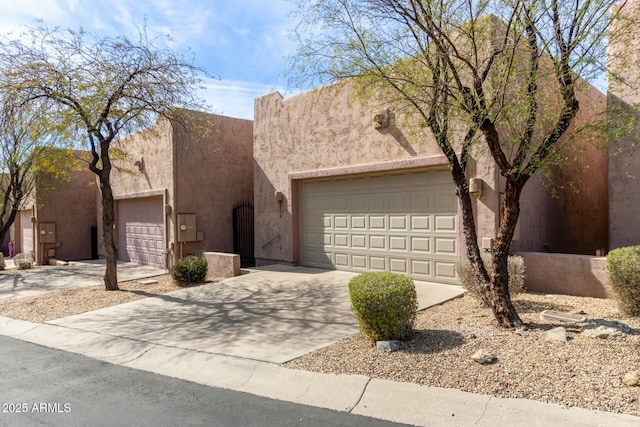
244	42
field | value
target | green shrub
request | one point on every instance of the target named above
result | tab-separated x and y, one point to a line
3	265
384	304
623	272
189	270
515	267
24	261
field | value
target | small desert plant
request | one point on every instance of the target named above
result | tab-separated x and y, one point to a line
384	304
515	267
3	265
189	270
24	261
623	272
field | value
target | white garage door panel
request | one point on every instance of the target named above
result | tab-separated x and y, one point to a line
402	222
26	231
141	231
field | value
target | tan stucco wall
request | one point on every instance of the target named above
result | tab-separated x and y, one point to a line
568	213
73	209
203	166
70	204
222	265
328	132
565	274
624	134
156	178
213	171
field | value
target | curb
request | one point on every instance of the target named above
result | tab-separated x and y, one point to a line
393	401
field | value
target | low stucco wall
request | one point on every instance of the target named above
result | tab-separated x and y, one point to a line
222	265
579	275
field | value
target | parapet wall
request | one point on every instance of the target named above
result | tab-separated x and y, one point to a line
567	274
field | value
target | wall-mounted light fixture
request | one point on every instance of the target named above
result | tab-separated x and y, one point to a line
382	119
140	164
475	186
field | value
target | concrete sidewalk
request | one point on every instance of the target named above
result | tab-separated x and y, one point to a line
399	402
75	275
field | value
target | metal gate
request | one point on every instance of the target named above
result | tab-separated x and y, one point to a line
243	233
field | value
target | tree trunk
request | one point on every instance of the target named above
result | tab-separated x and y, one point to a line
470	234
498	290
110	249
5	225
494	290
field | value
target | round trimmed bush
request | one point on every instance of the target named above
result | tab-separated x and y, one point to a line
24	261
623	272
189	270
384	304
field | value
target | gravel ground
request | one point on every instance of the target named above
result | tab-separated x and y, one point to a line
54	305
583	372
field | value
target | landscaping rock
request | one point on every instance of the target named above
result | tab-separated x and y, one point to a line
483	357
389	345
558	334
631	379
600	328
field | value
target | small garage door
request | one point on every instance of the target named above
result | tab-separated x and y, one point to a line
140	231
405	222
26	231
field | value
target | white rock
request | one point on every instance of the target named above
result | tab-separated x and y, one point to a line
600	328
558	334
631	378
483	357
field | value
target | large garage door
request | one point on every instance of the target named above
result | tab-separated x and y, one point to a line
141	231
26	231
405	222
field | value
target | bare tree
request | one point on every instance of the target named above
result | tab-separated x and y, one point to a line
99	89
26	134
498	74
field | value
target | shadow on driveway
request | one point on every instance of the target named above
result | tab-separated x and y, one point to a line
272	315
77	274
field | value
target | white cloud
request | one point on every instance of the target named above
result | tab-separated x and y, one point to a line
26	12
243	42
234	98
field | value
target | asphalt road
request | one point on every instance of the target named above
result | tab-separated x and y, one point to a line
45	387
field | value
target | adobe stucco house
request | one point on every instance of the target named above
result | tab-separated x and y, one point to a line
59	220
624	164
176	186
334	190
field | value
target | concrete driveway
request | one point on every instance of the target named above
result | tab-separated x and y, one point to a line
273	314
75	275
